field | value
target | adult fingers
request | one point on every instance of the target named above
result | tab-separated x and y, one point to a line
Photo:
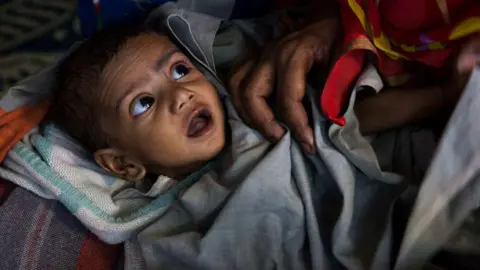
466	63
297	120
237	89
292	69
258	89
469	57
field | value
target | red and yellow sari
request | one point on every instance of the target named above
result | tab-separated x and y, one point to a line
396	32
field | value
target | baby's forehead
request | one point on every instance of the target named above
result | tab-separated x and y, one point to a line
146	42
137	54
137	59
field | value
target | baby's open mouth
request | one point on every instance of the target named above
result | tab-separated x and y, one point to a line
200	123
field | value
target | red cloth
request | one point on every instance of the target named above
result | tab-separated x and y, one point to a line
397	32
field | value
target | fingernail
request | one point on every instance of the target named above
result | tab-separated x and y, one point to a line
310	137
279	132
314	149
467	63
311	141
306	147
309	149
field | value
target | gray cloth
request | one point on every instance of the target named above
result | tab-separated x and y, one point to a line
271	206
446	204
292	211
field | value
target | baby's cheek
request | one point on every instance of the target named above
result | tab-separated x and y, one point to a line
170	148
219	142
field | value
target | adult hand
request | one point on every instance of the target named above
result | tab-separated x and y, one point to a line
469	56
285	64
467	60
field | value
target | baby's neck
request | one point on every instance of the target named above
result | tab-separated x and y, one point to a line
178	173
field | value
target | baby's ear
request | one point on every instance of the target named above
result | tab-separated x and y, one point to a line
119	165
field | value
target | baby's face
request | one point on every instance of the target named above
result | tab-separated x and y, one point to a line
159	108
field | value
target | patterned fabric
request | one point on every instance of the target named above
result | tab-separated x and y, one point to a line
380	27
41	234
429	41
56	166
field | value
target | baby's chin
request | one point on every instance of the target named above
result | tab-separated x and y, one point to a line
213	143
201	160
213	149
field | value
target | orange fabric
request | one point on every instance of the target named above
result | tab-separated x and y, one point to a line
398	32
17	123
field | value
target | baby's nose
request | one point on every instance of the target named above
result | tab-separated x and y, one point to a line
182	98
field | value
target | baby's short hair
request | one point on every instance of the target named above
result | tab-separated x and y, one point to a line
78	81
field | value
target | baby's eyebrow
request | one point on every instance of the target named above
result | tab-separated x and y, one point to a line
164	59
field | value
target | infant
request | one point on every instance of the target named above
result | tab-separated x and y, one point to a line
132	98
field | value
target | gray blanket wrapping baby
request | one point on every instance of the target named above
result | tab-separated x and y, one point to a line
264	206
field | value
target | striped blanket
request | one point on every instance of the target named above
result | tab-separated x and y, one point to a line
42	234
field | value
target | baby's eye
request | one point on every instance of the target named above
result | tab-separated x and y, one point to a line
179	71
141	105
